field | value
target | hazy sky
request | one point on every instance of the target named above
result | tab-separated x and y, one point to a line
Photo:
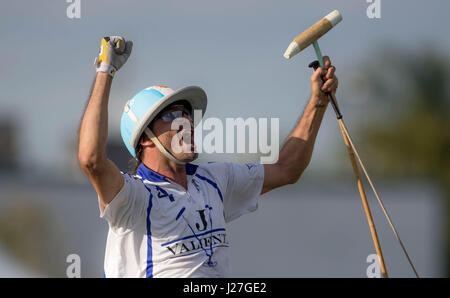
232	49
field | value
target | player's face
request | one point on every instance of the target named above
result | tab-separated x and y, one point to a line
174	127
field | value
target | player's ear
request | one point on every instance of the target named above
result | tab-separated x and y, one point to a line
145	141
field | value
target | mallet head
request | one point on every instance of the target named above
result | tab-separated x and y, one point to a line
313	33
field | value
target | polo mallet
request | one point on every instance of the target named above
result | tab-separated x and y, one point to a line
308	37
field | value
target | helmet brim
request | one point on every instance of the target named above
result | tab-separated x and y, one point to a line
194	95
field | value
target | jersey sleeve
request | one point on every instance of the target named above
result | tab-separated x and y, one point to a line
127	206
243	189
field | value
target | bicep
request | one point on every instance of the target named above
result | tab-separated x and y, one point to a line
274	176
107	181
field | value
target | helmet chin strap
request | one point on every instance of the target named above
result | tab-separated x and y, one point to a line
161	148
152	137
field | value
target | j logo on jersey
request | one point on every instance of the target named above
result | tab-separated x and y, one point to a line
201	224
204	224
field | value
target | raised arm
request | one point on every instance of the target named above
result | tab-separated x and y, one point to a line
296	153
103	173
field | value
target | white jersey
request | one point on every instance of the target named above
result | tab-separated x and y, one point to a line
159	229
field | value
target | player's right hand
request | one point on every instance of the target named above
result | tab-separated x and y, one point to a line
323	80
114	52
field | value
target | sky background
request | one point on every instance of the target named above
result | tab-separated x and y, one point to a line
232	49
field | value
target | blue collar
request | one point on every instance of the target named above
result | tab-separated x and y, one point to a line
153	176
191	168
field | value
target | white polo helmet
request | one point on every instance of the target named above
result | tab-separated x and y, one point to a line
146	105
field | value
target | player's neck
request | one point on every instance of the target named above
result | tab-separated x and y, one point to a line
169	169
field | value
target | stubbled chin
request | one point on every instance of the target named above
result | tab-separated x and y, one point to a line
189	157
194	157
188	153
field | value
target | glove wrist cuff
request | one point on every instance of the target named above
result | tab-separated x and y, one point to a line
107	68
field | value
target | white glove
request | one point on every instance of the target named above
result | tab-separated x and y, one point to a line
114	52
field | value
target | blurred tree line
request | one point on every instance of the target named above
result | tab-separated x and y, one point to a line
408	134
